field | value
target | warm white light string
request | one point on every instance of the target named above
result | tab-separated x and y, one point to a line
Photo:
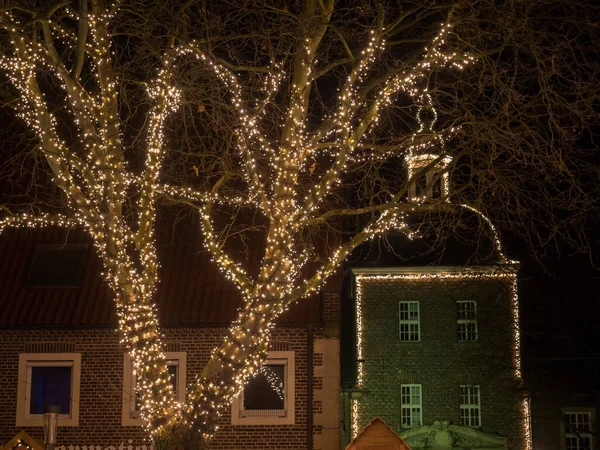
100	180
503	271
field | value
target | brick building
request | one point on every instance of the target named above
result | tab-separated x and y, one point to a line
437	354
59	345
565	401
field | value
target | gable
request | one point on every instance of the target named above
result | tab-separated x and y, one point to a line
377	435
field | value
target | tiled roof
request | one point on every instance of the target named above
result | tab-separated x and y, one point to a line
192	291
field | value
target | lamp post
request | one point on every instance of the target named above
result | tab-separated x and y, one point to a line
50	426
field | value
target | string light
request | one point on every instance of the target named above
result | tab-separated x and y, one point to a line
504	271
96	187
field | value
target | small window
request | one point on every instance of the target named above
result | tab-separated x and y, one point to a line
176	365
48	379
268	397
410	322
466	323
421	185
470	406
411	409
428	184
265	392
578	427
57	266
437	188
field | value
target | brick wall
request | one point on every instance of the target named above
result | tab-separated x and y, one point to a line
102	386
439	362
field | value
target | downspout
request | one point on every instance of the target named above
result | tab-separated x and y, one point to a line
310	351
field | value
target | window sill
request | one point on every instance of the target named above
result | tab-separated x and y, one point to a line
261	420
38	421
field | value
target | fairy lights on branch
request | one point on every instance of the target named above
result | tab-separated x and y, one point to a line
96	183
504	272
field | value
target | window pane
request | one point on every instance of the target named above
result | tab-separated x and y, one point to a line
571	443
416	417
421	186
173	369
406	417
404	335
267	389
414	311
50	386
403	311
437	186
414	332
416	395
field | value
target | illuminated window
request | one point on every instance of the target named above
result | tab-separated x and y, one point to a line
412	411
578	427
421	186
429	184
176	365
428	176
466	323
48	379
470	406
410	321
268	397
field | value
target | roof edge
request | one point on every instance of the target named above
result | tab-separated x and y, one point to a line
510	268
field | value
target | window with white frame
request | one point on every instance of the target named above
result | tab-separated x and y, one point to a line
268	397
578	427
48	379
410	321
176	365
411	408
470	406
466	322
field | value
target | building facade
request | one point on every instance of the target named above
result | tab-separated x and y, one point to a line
59	346
565	420
565	401
438	353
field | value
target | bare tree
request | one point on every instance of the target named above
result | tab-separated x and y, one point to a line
307	124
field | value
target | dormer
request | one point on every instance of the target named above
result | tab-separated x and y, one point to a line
428	177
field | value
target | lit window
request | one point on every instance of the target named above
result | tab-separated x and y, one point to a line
410	328
470	406
412	411
57	266
437	186
578	426
176	365
428	179
48	379
466	323
421	187
268	397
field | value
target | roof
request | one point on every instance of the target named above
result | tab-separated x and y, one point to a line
192	290
457	237
23	438
378	432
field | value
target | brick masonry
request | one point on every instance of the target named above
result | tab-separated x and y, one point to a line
439	362
102	386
